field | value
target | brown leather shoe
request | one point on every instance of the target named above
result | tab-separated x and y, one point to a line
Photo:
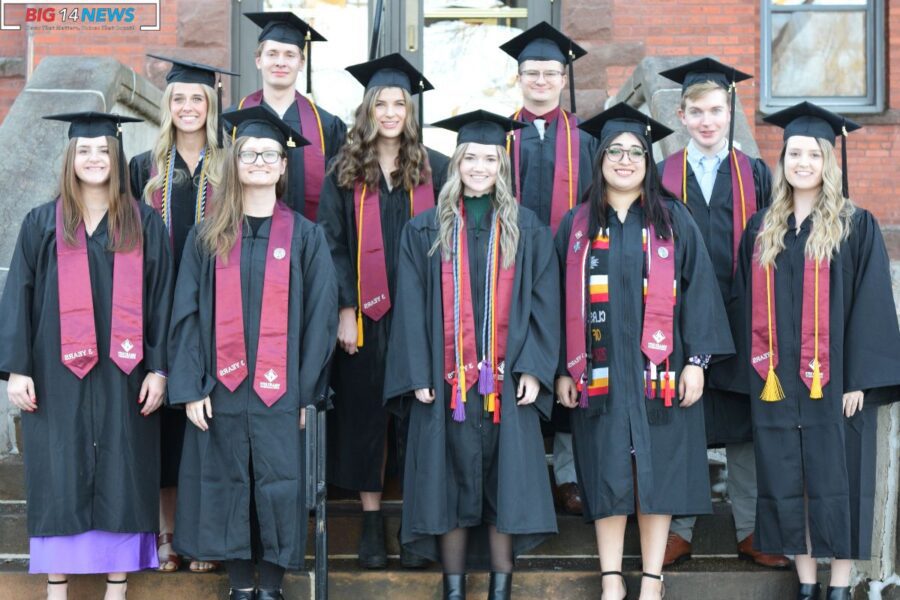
569	498
772	561
678	550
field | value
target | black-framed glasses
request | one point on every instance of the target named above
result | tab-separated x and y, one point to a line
270	157
617	153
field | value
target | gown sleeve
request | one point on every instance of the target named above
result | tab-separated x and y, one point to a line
409	362
871	338
332	217
158	289
762	181
138	176
188	379
560	242
16	328
319	317
335	137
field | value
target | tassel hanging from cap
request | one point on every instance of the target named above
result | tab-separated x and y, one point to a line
220	129
309	91
570	59
733	93
845	180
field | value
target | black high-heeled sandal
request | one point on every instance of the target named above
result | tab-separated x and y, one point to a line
662	585
619	573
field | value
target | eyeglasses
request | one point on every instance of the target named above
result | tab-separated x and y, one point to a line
617	153
531	75
270	157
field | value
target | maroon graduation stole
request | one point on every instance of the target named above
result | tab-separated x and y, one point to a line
78	338
373	296
270	377
313	154
743	191
161	199
659	290
460	354
565	165
814	332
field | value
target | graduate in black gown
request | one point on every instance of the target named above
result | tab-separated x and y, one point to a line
83	345
633	360
285	47
383	177
178	178
817	347
471	359
253	329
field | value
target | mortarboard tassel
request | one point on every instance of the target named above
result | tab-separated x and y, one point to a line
124	187
772	391
309	91
732	90
571	61
220	131
815	389
845	180
421	109
459	405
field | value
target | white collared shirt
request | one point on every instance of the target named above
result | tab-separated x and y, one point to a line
705	168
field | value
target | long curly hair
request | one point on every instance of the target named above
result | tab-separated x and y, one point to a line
830	215
502	201
357	161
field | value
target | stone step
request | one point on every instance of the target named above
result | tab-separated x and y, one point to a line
700	579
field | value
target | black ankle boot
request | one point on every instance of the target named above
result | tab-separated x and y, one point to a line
371	543
236	594
454	587
838	593
264	594
500	587
809	591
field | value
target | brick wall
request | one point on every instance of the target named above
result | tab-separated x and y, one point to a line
619	33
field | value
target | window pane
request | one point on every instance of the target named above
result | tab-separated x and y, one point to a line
818	2
819	54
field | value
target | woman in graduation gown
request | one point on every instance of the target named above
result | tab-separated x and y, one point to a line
253	329
817	348
83	344
633	358
177	178
380	179
475	339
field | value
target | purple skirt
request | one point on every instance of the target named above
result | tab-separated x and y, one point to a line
93	551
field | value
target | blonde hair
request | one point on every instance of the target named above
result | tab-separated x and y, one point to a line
123	221
167	135
697	90
357	161
830	217
219	231
502	201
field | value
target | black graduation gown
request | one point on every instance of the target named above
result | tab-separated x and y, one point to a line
335	132
91	458
803	442
670	452
184	197
214	495
359	422
473	473
727	413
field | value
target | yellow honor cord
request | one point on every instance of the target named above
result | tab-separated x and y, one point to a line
684	176
201	189
460	352
772	391
318	123
164	205
359	232
569	156
815	389
741	186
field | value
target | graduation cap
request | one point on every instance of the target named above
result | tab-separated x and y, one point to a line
480	127
545	42
622	118
288	28
810	120
392	71
262	122
185	71
709	69
93	124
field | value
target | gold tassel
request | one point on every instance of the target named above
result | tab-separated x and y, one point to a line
359	329
772	391
815	390
489	399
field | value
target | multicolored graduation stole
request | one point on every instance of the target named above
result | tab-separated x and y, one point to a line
814	333
565	178
373	296
78	339
161	199
674	179
313	154
270	377
460	354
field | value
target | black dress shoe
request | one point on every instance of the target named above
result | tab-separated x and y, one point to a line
454	587
500	587
264	594
372	554
236	594
809	591
838	593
